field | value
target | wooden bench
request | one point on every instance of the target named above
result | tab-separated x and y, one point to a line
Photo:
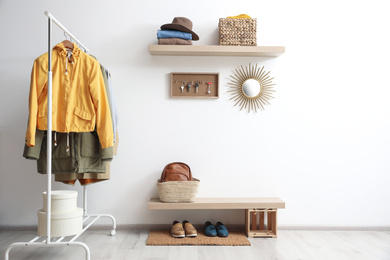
260	213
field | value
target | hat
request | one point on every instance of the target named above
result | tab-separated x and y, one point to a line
181	24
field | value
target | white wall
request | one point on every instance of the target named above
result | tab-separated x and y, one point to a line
323	145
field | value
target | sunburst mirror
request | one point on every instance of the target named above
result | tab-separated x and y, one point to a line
251	88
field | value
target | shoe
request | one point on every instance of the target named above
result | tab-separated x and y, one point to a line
189	229
177	229
209	229
221	230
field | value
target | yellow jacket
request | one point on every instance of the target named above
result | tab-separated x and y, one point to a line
79	97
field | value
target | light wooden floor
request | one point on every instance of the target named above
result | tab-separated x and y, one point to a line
290	244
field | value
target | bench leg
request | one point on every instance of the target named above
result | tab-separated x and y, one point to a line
271	225
247	219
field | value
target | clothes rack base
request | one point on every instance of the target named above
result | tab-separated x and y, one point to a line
65	241
89	219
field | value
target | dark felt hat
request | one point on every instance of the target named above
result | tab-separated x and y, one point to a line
181	24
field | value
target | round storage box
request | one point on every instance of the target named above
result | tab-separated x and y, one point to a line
61	201
62	224
178	191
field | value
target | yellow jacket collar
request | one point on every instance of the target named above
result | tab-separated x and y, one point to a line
62	50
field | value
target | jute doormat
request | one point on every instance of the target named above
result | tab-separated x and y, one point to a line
164	238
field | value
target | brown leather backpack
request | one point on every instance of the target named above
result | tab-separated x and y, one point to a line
176	171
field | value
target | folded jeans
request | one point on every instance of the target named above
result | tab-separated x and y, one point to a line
173	34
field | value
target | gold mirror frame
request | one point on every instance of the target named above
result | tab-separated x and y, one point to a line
236	85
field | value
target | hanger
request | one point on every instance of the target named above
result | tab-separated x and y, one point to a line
67	44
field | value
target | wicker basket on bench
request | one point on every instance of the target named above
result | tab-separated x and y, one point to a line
178	191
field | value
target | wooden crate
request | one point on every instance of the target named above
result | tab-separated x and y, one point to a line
261	222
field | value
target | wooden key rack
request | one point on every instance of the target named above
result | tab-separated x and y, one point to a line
194	85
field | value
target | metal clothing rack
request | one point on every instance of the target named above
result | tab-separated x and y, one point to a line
47	241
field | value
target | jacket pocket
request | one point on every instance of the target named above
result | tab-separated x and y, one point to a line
82	114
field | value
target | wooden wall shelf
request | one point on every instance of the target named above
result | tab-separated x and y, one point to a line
216	50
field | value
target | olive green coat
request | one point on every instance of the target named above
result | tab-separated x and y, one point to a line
85	153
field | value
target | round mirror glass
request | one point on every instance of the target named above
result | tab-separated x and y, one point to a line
251	88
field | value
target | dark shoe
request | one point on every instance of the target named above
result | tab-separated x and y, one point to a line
209	229
189	229
222	230
177	229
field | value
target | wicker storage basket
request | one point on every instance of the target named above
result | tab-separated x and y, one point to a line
237	31
178	191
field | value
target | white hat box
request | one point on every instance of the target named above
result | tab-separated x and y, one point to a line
61	201
62	224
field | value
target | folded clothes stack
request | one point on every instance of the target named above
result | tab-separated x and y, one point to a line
179	32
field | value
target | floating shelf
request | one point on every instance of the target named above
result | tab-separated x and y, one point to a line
216	50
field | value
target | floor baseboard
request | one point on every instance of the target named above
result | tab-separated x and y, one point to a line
199	226
336	228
